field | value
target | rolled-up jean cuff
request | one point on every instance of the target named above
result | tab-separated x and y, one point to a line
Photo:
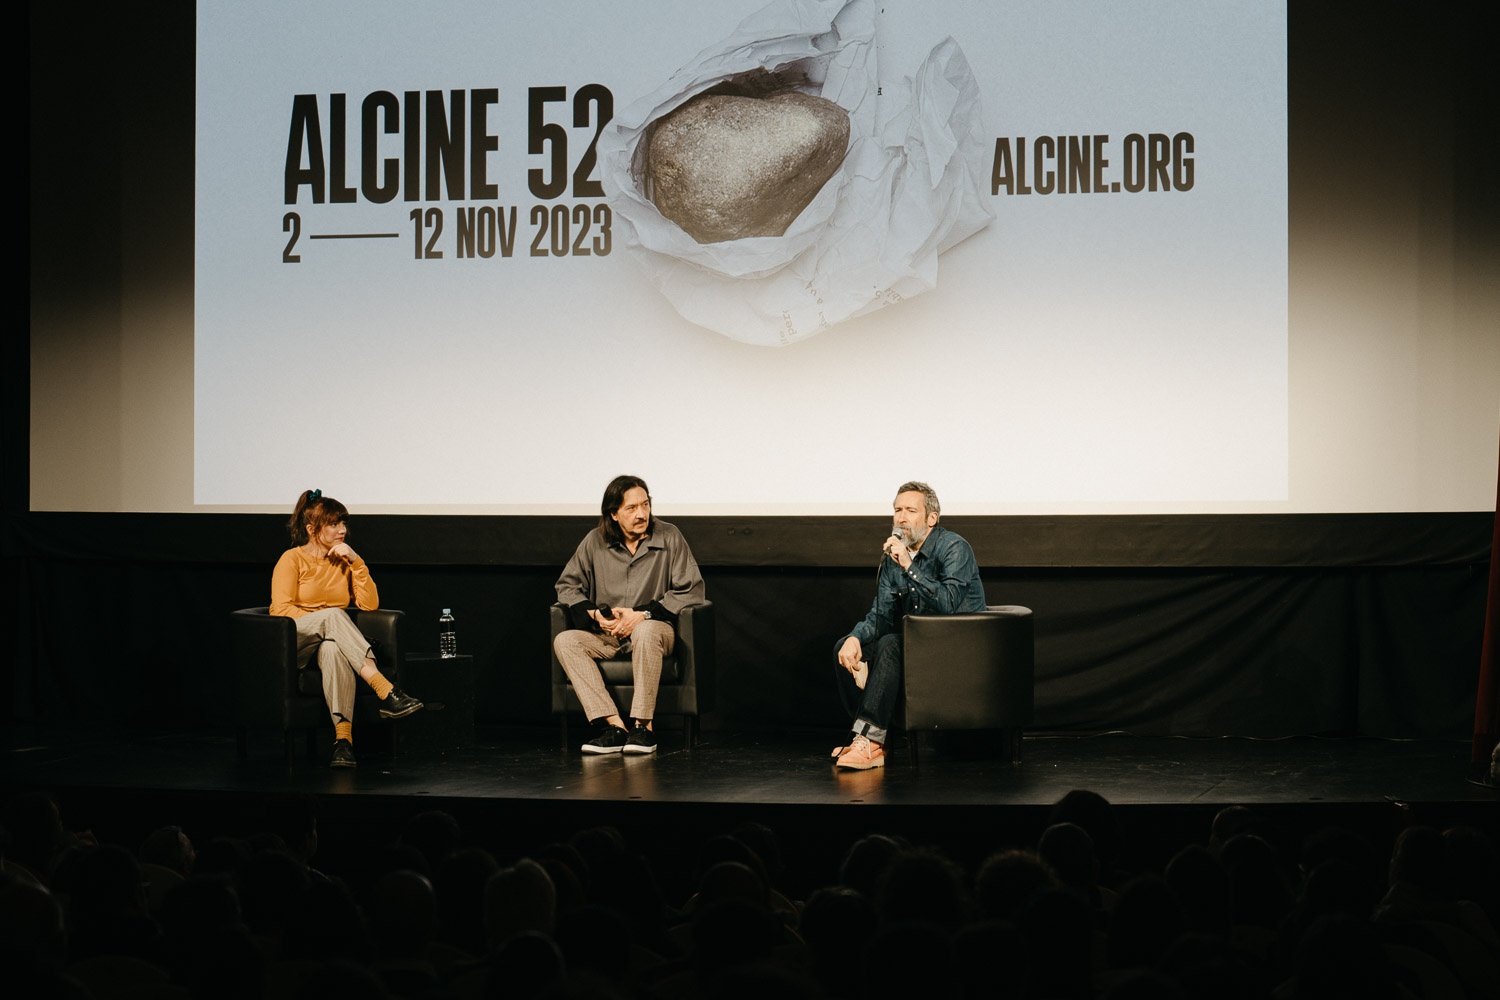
870	731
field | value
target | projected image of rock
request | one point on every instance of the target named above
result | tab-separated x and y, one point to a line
782	182
726	167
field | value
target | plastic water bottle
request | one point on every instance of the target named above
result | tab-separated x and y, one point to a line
447	638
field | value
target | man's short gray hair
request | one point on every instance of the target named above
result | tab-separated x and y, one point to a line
929	495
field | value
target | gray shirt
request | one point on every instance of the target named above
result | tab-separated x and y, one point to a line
662	569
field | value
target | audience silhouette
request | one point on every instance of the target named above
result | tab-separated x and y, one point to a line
425	913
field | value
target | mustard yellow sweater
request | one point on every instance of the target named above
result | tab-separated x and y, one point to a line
301	584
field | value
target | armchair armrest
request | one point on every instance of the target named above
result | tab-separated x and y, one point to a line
559	624
264	656
695	652
383	628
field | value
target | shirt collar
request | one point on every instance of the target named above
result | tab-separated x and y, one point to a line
927	541
650	542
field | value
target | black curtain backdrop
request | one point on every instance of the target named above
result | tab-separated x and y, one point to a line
122	619
1487	700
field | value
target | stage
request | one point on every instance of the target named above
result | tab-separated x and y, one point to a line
516	790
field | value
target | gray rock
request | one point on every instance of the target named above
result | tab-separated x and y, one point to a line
728	167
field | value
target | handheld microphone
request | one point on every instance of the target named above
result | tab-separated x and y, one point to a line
899	536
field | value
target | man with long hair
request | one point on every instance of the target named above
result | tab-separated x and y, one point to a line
623	589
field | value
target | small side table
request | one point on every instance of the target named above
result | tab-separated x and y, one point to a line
446	688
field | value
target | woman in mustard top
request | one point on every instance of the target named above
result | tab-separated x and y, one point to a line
313	582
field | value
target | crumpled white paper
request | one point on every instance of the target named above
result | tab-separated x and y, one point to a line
912	185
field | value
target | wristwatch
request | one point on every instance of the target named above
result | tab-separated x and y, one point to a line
647	614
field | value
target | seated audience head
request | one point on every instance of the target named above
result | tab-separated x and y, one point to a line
435	833
565	883
991	958
294	818
461	883
1335	886
1058	927
222	856
31	921
200	906
1337	843
107	883
1146	920
1419	859
1341	957
910	958
1210	965
767	847
516	899
526	964
36	831
1230	822
732	880
273	891
1259	884
329	926
1202	886
1096	815
732	932
170	848
1007	880
402	915
722	848
922	885
866	859
1476	868
598	847
208	948
586	950
836	922
1069	850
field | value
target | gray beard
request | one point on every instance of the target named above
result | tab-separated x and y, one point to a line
911	539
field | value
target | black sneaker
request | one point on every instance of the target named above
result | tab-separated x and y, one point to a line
611	739
398	705
641	740
343	754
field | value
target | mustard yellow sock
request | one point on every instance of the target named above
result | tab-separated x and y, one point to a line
343	731
381	685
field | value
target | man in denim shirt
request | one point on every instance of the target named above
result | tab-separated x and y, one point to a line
925	570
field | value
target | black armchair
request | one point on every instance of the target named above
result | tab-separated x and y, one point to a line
687	674
970	672
271	693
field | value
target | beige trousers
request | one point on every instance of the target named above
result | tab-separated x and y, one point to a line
578	652
341	649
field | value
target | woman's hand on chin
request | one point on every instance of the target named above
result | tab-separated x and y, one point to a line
343	552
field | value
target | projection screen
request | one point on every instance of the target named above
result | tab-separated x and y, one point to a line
1048	270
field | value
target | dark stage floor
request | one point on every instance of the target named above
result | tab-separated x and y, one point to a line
773	770
516	790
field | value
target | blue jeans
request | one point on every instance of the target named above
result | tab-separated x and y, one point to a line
872	708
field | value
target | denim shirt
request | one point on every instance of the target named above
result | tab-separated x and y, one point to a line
943	580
